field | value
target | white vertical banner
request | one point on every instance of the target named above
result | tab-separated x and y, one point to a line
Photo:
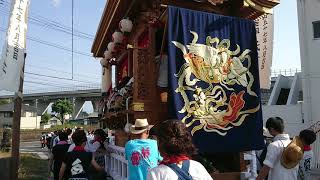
264	28
12	58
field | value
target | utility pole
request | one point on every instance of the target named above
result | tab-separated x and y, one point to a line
12	74
37	114
16	128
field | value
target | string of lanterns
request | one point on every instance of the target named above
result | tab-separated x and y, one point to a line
119	40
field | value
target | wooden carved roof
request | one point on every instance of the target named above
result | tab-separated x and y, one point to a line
115	10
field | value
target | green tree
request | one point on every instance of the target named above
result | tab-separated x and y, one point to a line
45	118
62	108
4	101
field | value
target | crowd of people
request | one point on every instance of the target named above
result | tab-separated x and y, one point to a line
76	154
285	158
167	154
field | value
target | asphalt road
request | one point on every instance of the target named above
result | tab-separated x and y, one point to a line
34	147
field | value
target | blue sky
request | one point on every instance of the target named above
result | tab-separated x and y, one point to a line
41	59
50	61
286	52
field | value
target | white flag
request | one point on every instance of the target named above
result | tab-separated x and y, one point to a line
12	58
264	27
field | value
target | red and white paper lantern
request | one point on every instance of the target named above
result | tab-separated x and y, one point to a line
117	37
112	47
125	25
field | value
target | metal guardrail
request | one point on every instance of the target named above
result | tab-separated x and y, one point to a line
314	174
284	72
64	89
315	127
117	165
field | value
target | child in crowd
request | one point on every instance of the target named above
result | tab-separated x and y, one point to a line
308	137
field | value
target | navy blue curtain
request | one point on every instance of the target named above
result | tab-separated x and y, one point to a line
214	80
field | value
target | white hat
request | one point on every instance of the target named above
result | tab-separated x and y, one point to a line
140	126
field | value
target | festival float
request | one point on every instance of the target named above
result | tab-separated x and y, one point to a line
193	60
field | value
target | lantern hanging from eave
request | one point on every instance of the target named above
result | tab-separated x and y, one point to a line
117	37
125	25
104	62
107	54
111	47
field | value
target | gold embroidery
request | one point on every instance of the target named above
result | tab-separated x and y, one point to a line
211	109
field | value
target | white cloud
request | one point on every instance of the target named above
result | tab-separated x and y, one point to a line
56	3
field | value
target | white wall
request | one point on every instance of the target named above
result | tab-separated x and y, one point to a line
308	12
281	82
291	114
25	123
30	122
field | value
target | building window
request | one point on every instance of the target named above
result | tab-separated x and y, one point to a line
316	29
8	114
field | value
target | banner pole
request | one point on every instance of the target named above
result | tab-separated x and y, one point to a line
16	128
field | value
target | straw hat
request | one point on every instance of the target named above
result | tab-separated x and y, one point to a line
266	133
292	154
140	126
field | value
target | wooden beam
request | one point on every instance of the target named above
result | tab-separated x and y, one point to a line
206	6
109	20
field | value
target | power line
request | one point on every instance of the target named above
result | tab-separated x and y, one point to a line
59	81
61	88
43	24
65	84
55	77
52	44
81	75
45	84
46	22
49	83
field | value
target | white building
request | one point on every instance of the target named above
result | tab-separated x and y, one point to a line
29	117
309	36
296	99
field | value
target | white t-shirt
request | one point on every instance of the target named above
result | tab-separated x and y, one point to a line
305	165
163	172
274	152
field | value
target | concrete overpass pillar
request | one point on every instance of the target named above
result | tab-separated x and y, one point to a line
77	107
42	106
95	105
